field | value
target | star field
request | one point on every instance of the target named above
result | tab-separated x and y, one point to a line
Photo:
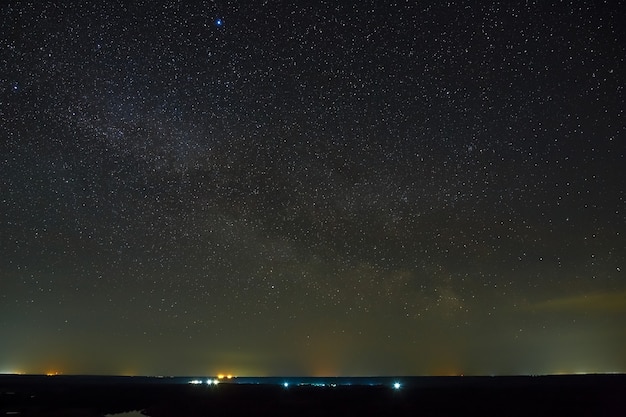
269	188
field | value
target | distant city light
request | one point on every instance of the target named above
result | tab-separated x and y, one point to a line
286	384
11	372
397	385
195	382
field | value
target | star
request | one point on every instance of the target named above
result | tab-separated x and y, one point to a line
305	180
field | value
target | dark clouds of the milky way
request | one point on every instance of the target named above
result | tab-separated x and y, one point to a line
338	188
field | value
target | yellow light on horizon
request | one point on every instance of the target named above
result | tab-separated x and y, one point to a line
11	372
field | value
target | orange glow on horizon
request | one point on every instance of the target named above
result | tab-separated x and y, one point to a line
325	372
128	373
447	371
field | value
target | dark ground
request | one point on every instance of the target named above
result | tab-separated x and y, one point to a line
591	395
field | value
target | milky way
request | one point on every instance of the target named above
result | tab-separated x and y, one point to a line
339	189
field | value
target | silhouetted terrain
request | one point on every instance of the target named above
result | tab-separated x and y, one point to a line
590	395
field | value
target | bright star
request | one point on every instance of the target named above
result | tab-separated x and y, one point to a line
219	22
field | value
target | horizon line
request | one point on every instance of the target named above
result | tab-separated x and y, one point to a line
310	376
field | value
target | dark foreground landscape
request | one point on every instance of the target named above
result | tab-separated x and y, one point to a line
580	395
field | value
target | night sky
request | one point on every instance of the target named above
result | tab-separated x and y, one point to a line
297	188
